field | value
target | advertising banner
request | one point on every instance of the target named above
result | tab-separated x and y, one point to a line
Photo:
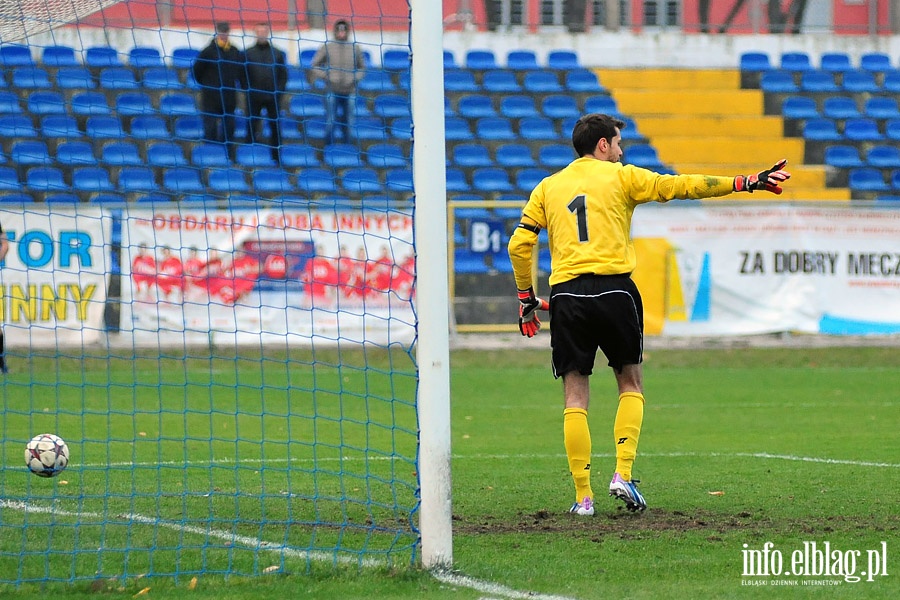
247	276
53	279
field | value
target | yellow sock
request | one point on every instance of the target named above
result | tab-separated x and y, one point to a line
627	430
577	436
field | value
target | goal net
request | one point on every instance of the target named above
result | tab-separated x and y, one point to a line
215	308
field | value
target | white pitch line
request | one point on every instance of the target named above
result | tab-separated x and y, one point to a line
486	587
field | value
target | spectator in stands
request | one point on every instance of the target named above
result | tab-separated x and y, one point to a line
339	63
266	79
4	249
220	71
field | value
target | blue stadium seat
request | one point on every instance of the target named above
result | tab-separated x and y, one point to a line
494	128
369	128
376	81
399	180
120	154
118	78
188	128
862	130
183	58
361	180
501	81
9	180
75	153
456	181
133	104
823	130
601	104
228	180
449	61
254	156
867	179
75	78
134	180
210	156
883	157
62	198
643	155
517	107
91	179
316	181
891	83
860	82
835	62
381	156
491	180
537	128
178	104
306	56
796	61
521	60
875	61
401	128
182	180
391	106
560	107
514	156
468	262
555	156
101	57
46	103
799	107
30	153
460	81
296	80
562	60
542	82
881	107
59	56
144	57
395	60
476	106
471	155
149	128
895	181
818	82
840	107
107	198
15	55
299	156
46	179
104	127
481	60
166	154
755	62
583	81
529	178
778	82
161	78
843	157
31	78
9	104
272	181
456	128
90	104
342	156
17	126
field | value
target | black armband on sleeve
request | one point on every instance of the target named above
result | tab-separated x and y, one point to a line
532	228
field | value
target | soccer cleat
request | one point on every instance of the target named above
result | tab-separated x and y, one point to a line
627	492
585	508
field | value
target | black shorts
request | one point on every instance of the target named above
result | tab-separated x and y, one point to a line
591	312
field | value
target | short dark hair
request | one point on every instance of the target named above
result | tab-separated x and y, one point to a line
590	129
222	27
341	24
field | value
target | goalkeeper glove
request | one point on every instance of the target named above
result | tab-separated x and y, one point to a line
529	323
768	180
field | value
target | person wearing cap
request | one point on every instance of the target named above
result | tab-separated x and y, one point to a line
220	71
339	63
267	79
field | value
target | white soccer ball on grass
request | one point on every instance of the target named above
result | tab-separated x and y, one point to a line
46	455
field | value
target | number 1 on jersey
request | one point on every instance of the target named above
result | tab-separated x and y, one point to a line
579	207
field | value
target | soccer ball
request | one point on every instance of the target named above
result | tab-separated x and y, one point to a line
46	455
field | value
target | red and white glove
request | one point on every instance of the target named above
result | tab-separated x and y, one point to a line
529	323
768	180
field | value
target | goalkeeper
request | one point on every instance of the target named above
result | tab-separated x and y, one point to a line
586	209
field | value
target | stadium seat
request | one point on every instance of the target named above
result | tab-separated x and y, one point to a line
177	104
11	198
476	106
867	179
30	153
818	82
542	82
456	181
9	180
895	181
272	181
183	58
342	156
15	55
376	81
133	104
630	131
46	179
862	130
306	56
120	154
491	180
188	128
17	126
468	262
361	180
254	156
835	62
144	57
881	107
118	78
460	81
796	61
104	127
392	106
583	81
182	181
401	128
381	156
891	83
75	78
521	60
601	104
29	78
75	154
555	156
642	155
471	156
91	179
756	62
494	128
517	107
166	154
560	107
823	130
9	104
399	180
395	60
90	104
299	156
316	181
529	178
134	180
481	60
228	180
369	128
843	157
456	128
840	107
59	56
860	82
101	57
562	60
107	198
514	156
149	128
449	61
778	82
875	61
501	81
210	156
537	128
883	157
161	78
296	80
46	103
62	198
799	107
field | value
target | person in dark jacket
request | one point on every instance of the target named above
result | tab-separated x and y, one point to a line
266	79
220	71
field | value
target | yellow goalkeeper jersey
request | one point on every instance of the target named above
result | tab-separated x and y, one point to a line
586	209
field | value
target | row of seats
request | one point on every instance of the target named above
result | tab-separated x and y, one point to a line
881	156
799	62
840	107
817	82
853	130
869	179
